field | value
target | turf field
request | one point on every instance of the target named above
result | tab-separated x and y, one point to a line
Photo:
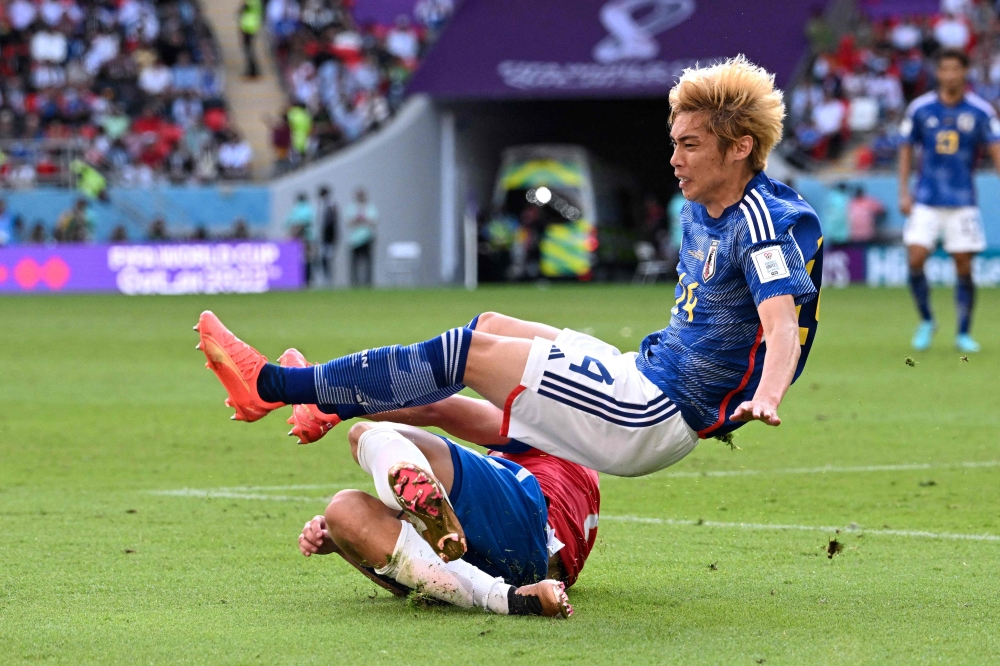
138	524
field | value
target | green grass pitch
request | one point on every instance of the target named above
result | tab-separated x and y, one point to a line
105	402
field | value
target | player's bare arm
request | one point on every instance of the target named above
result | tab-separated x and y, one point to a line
781	330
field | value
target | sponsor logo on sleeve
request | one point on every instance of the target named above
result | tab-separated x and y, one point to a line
770	264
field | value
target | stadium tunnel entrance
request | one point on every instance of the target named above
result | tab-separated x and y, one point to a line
627	146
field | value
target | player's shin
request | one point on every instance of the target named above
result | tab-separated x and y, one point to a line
921	294
382	448
965	300
414	564
375	380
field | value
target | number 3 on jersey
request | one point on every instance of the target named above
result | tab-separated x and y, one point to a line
687	297
946	142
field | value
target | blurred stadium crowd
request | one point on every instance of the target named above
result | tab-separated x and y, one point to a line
846	109
129	88
343	79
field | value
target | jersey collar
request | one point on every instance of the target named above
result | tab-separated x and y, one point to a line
760	181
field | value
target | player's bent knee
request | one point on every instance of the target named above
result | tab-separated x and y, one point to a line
345	510
486	320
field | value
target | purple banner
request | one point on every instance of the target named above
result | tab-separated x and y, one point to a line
383	12
168	268
604	48
883	9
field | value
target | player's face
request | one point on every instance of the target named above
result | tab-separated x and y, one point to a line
951	75
698	163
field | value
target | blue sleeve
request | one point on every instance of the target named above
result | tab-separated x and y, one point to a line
776	267
989	128
910	128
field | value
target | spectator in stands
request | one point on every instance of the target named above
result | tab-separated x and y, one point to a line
119	234
250	18
835	227
301	222
402	41
240	230
234	157
329	231
39	236
69	68
864	214
300	127
362	221
76	225
347	79
952	32
434	14
158	230
6	225
828	119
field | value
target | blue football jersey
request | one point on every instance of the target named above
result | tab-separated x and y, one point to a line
950	138
711	356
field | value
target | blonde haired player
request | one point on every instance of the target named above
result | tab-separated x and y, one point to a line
741	325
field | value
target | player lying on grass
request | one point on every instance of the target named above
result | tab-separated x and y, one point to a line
512	518
740	331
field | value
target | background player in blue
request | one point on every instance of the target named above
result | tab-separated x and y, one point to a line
751	264
950	126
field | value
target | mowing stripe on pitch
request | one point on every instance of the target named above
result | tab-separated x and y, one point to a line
247	493
802	528
829	469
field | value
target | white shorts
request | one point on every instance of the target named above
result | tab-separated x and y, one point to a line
583	400
961	228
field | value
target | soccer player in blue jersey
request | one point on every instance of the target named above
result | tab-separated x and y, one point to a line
950	126
740	329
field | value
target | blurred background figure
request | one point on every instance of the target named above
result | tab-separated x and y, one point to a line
864	216
329	232
300	223
158	231
362	220
240	231
835	228
7	236
251	17
76	224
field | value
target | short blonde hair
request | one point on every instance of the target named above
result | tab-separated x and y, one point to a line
739	99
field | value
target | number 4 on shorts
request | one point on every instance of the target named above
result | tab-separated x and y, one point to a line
602	375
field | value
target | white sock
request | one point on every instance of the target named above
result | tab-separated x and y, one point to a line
487	592
415	564
378	450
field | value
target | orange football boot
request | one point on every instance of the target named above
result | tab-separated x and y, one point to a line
308	423
237	365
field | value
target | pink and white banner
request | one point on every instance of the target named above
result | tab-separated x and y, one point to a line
168	268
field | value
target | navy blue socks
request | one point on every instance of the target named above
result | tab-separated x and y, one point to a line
375	380
921	294
965	299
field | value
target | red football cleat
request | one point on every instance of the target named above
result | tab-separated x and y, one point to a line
237	365
426	503
308	423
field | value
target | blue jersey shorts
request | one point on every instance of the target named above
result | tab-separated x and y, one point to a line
503	513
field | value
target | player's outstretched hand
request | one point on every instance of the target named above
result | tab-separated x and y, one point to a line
315	538
757	410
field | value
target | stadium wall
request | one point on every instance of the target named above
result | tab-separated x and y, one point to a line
403	167
815	190
184	208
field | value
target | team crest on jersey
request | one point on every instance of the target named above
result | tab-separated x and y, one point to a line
966	122
710	261
932	122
